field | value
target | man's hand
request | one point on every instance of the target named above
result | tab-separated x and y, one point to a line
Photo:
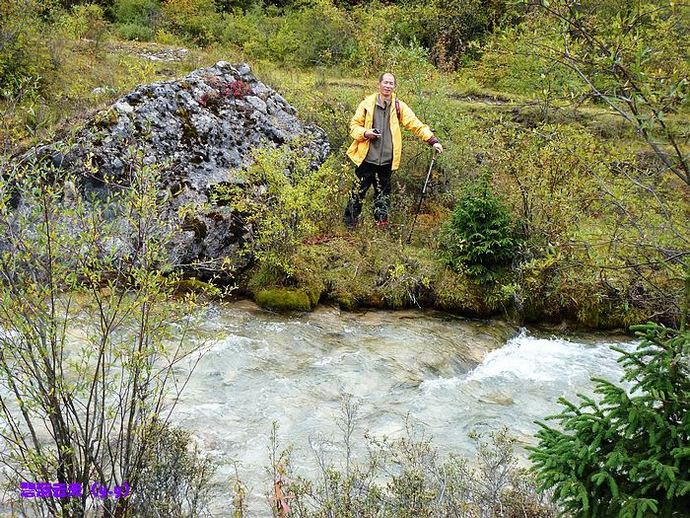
371	135
438	147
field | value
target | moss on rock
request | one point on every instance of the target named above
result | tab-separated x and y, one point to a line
285	299
345	300
275	290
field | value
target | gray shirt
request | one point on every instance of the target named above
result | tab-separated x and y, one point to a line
381	149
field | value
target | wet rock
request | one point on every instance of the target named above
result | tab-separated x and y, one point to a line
497	398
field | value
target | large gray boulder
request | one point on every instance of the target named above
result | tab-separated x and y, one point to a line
198	133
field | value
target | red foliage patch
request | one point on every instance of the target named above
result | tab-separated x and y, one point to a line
223	90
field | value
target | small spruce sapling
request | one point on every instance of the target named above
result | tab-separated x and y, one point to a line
627	454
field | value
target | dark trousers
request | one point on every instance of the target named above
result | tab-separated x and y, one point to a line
368	174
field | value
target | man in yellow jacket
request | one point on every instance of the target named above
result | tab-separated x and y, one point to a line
377	146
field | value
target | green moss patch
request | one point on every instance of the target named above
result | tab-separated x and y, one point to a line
285	299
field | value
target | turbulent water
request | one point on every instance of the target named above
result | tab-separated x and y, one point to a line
449	375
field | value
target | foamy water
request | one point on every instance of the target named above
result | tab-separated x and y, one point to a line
449	375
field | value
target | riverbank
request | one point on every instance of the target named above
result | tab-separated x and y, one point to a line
373	269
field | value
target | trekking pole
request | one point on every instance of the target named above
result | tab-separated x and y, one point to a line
421	198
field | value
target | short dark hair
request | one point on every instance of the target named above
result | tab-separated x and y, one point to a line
390	74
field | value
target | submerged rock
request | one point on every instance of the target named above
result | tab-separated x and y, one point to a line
197	133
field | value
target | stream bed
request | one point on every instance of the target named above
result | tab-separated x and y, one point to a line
446	374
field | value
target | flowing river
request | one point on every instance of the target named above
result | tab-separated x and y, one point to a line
447	374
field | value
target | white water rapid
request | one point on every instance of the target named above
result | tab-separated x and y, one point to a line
450	375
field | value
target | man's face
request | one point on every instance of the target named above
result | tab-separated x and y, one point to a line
387	85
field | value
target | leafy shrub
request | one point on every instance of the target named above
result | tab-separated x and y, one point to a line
627	454
570	190
315	35
176	475
24	55
317	32
166	38
197	19
546	175
240	28
408	25
85	21
287	201
141	12
134	31
464	25
480	236
411	62
66	242
414	23
511	62
556	285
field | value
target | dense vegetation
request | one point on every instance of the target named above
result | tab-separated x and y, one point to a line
564	193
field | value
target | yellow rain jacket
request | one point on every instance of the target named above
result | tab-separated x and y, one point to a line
363	120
